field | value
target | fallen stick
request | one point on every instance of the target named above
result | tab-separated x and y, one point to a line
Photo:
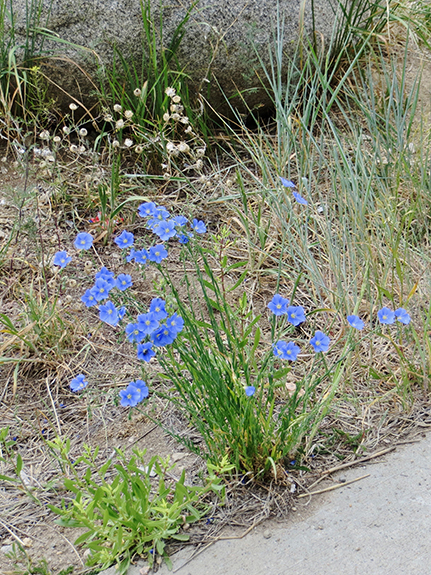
351	463
332	487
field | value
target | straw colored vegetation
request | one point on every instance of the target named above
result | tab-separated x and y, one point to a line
260	293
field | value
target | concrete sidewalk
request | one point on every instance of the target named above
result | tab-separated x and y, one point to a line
380	525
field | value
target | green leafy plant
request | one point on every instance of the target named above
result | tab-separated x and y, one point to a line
129	506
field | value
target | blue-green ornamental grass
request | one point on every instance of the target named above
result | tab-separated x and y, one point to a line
220	368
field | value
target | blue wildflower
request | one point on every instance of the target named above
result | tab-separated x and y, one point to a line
299	198
89	299
320	341
61	259
250	390
125	240
386	315
146	209
295	315
287	183
133	333
101	289
124	281
175	323
278	305
148	322
79	382
106	275
165	230
157	253
121	312
140	386
145	351
402	316
158	308
184	238
130	396
161	213
162	336
131	256
83	241
198	226
355	322
108	313
285	350
180	221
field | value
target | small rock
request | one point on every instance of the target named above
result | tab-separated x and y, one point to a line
267	534
27	542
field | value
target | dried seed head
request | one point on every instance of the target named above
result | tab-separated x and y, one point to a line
82	149
73	106
73	148
166	176
139	149
115	144
57	139
170	92
199	165
44	135
176	99
137	92
66	130
183	147
188	130
176	117
166	117
170	147
119	124
184	120
108	118
72	283
128	142
117	108
128	114
200	152
83	132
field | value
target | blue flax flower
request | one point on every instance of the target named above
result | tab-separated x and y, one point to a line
89	299
106	275
180	220
285	350
130	396
278	305
133	333
121	312
61	259
295	315
402	316
101	289
355	322
184	238
320	341
79	382
157	253
162	336
165	230
124	281
250	390
148	322
175	323
299	198
386	315
83	241
158	308
198	226
146	209
125	240
140	386
145	351
141	257
108	313
287	183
